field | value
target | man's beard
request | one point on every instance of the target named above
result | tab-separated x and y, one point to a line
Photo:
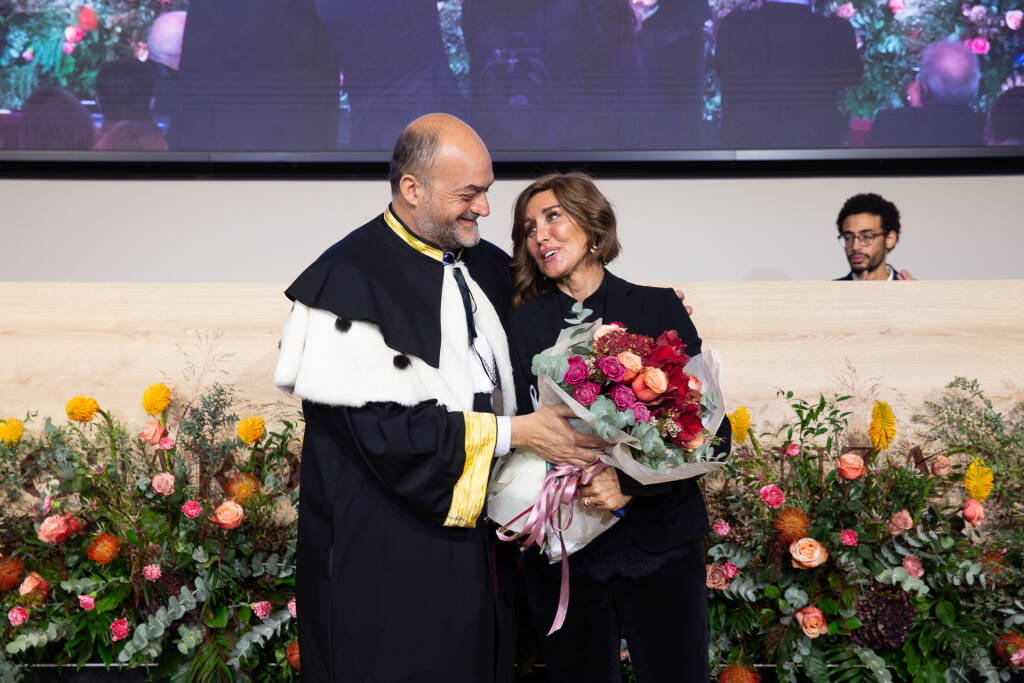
868	265
448	235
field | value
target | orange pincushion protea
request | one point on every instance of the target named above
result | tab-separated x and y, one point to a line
792	524
242	486
11	569
1007	644
293	654
738	673
104	548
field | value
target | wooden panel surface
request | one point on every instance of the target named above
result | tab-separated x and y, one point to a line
899	342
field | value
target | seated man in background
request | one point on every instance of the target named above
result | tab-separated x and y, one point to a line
947	82
869	227
1006	119
164	43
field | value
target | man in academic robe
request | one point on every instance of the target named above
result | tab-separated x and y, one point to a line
395	344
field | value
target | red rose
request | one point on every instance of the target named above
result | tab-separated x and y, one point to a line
87	20
586	393
668	351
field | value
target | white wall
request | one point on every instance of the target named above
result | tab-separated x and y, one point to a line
671	230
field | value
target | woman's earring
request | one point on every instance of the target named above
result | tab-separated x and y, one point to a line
593	249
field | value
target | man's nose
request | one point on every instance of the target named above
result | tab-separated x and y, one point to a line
480	206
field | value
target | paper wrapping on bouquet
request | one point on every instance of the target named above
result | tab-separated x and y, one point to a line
515	487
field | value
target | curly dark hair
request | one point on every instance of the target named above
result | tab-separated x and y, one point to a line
875	205
585	205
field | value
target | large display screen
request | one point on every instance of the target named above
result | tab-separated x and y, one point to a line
295	80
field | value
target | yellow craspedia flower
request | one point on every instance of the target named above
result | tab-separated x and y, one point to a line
883	426
251	429
82	408
740	421
155	399
11	430
978	480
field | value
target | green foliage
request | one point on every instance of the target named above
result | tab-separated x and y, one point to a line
885	620
191	618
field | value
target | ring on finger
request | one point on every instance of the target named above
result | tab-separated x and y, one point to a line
586	502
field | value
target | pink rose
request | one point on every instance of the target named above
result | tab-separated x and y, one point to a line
1014	19
73	34
900	522
941	466
912	563
68	47
772	496
162	483
166	443
192	509
851	466
611	368
623	397
261	608
722	527
118	629
793	450
605	329
731	570
1017	658
86	602
716	578
641	413
17	616
28	55
974	512
848	537
291	608
846	10
631	363
54	529
979	46
586	393
153	431
577	373
812	622
978	13
152	572
895	5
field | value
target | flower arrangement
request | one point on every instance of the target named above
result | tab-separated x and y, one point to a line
64	42
174	547
883	565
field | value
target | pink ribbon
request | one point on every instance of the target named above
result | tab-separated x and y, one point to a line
559	489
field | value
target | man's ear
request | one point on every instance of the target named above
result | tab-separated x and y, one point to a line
411	189
891	238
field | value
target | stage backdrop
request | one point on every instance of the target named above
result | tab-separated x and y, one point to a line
898	342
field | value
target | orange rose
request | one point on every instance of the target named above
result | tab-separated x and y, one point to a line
812	621
974	512
11	570
807	553
851	466
153	431
54	529
229	515
292	653
649	384
104	548
632	363
34	588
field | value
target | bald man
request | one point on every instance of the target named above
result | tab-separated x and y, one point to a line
164	44
947	83
395	344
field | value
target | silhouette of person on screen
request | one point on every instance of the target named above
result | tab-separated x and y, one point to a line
947	82
783	69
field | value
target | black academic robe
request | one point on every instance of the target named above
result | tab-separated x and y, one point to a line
395	577
619	579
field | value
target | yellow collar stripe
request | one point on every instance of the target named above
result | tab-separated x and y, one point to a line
411	239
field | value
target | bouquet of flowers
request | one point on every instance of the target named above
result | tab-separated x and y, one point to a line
658	407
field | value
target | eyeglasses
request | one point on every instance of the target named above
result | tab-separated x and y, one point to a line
864	239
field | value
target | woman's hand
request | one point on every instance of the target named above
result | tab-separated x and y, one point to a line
603	492
548	433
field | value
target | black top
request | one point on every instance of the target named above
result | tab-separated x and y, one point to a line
661	517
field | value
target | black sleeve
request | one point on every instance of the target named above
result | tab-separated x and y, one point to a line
418	453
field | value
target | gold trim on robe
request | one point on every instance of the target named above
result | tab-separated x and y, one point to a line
471	488
395	223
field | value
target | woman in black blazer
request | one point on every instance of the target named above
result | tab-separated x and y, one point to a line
644	578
